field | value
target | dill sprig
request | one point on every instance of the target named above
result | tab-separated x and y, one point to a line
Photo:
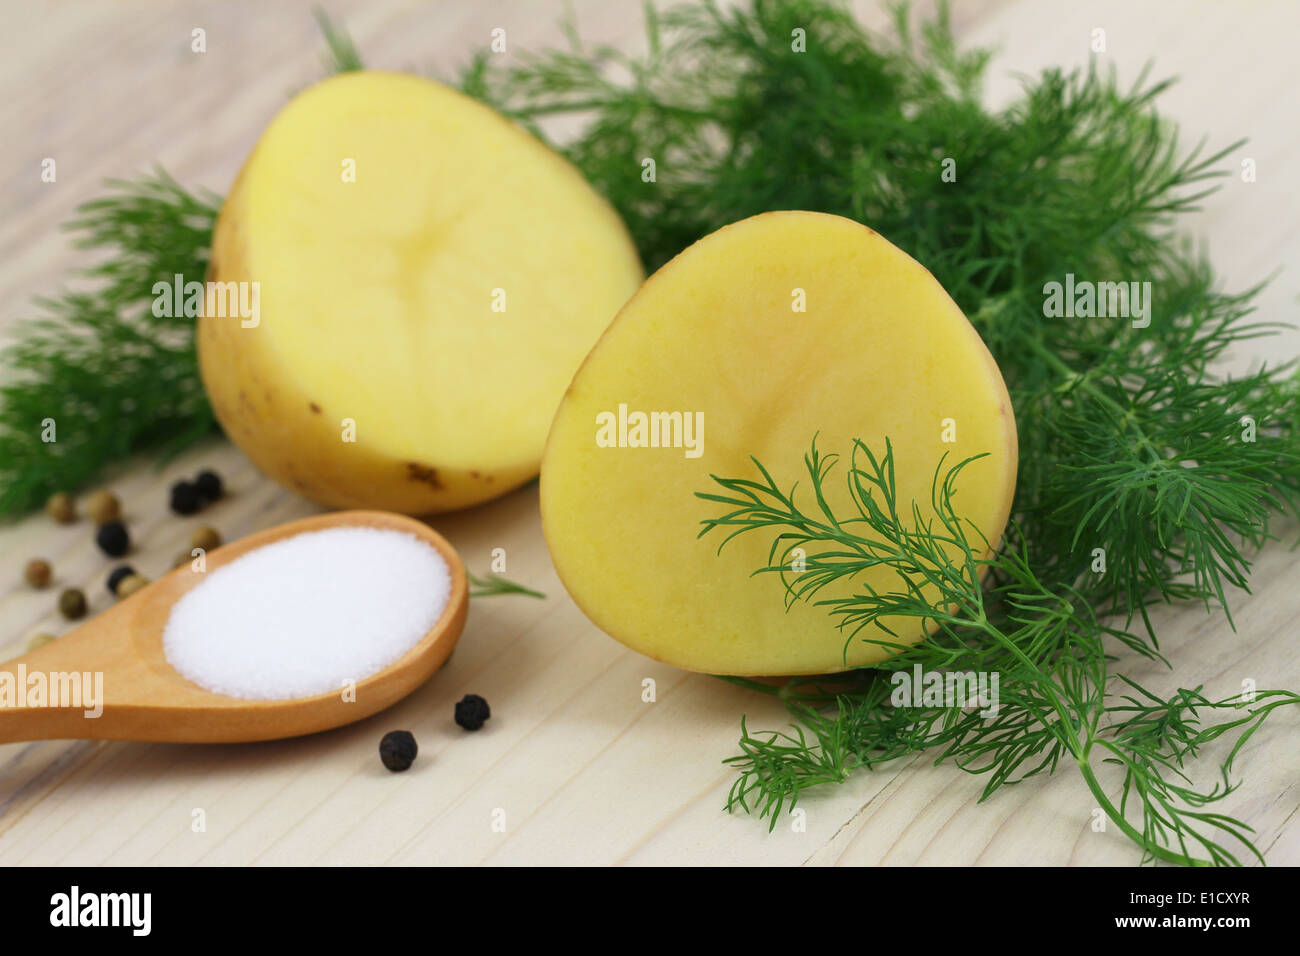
1059	700
340	54
116	379
494	585
113	378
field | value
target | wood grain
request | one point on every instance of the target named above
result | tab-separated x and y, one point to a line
573	763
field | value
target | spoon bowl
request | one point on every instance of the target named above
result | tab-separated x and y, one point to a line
142	697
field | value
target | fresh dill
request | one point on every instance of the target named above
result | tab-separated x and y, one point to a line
97	371
1058	700
494	585
340	54
114	379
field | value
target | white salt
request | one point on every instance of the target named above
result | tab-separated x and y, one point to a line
308	614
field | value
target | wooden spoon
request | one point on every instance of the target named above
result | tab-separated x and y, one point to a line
145	698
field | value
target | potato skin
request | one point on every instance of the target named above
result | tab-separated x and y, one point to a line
295	438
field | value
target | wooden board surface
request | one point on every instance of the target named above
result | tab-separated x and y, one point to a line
574	763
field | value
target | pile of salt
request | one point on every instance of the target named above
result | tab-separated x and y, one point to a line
309	614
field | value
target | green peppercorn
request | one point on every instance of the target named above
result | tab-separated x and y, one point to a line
61	508
205	538
72	604
39	640
103	507
129	585
38	573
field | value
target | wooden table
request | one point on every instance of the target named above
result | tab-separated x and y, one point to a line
580	769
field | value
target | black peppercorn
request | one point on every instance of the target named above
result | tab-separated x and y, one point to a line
185	498
116	575
113	539
472	711
208	484
397	750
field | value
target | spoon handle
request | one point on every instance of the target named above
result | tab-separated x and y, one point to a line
58	690
40	703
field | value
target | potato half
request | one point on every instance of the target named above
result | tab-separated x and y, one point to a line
880	350
429	277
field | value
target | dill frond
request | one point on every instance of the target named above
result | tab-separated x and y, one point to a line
1059	700
340	54
494	585
114	378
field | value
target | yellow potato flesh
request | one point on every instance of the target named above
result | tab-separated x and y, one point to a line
441	301
880	351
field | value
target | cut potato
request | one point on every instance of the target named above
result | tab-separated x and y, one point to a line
429	277
717	335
